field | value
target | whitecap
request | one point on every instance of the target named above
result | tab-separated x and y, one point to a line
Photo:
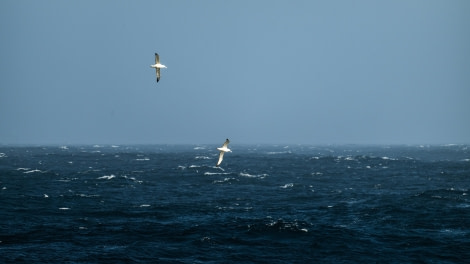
133	179
64	147
252	176
198	148
144	205
88	195
32	171
278	152
46	196
64	180
3	155
216	173
206	239
107	177
453	232
202	157
23	169
224	180
287	185
143	159
64	208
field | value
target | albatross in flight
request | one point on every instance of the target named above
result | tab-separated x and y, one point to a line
222	150
157	66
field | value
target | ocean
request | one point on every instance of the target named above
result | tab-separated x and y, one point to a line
264	204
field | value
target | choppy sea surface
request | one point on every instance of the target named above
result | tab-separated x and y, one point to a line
265	204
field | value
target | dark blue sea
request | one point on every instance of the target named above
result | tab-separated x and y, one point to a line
265	204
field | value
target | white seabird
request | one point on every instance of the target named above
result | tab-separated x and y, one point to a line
222	150
157	66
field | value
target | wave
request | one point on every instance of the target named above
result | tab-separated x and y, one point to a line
88	195
132	179
107	177
280	225
224	180
279	152
216	173
33	171
261	176
202	157
287	185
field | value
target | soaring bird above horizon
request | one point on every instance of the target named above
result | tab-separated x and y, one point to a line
222	150
157	66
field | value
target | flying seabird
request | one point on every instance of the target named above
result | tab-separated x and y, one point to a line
222	150
157	66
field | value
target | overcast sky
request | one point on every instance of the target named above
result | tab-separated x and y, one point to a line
308	72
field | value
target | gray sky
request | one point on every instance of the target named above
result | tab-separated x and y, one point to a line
309	72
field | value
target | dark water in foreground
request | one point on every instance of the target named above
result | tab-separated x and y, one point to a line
267	204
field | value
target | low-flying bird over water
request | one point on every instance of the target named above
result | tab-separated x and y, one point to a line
157	66
222	150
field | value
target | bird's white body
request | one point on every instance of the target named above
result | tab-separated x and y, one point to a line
158	65
222	150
